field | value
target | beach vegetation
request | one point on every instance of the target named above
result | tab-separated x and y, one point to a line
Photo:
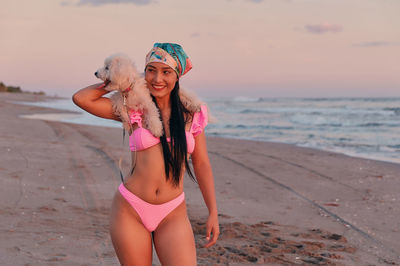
14	89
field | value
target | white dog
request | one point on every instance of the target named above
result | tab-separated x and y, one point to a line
119	74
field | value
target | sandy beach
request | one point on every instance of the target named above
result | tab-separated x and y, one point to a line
279	204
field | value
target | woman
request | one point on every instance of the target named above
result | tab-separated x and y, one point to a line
149	205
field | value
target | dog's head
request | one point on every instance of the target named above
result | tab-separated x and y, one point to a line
118	72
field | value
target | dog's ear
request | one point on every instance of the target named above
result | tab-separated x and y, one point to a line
115	73
133	74
122	72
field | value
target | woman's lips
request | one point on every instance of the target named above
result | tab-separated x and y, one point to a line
158	88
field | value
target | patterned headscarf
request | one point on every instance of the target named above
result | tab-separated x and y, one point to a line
172	55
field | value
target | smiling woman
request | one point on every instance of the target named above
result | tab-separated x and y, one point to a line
161	79
150	203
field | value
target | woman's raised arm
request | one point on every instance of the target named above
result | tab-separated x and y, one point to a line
90	99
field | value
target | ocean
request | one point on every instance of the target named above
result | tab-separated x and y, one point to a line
362	127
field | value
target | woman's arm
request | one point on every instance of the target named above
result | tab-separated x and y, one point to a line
204	176
90	99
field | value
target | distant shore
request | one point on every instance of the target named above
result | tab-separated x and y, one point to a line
17	89
278	203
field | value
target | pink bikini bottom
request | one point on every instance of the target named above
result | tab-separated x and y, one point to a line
150	214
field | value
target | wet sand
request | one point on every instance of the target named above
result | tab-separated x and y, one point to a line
279	204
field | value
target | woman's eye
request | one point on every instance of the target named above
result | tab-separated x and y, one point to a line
166	72
106	67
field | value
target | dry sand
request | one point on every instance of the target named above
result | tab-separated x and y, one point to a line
279	204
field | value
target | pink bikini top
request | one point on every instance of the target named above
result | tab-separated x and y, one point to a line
142	138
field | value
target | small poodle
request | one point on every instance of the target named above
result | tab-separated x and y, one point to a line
120	74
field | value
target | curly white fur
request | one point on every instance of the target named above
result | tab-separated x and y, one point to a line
120	74
190	100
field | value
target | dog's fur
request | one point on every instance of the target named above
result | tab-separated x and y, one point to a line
120	74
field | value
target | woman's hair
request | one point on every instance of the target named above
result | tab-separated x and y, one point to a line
177	154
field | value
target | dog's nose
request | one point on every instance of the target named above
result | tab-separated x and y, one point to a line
95	73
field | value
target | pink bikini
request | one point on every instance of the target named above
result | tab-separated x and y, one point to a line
141	139
150	214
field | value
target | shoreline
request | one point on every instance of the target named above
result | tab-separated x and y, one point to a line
278	203
388	160
347	153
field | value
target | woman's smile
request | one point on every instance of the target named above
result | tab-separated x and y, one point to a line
158	87
160	78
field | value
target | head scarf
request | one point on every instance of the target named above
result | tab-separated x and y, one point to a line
172	55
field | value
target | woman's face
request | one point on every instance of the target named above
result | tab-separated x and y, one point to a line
160	79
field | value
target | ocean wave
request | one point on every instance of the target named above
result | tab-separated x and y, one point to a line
328	125
61	104
337	99
246	99
254	111
383	99
274	127
319	99
316	111
394	146
395	110
355	145
377	124
350	99
241	126
372	124
235	126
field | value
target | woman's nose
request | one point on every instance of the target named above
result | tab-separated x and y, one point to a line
157	77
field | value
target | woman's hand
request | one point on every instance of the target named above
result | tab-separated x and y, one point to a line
212	226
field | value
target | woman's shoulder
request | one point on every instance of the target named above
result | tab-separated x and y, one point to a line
199	120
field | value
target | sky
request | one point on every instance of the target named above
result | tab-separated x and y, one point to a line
255	48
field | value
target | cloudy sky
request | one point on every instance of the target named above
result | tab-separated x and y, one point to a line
272	48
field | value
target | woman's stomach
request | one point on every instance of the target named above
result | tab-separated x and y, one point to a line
148	180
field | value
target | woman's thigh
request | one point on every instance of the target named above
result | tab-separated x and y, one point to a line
132	242
174	240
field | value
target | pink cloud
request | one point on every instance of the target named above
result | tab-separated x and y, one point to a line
323	28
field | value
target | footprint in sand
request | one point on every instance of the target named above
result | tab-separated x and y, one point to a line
47	209
272	243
